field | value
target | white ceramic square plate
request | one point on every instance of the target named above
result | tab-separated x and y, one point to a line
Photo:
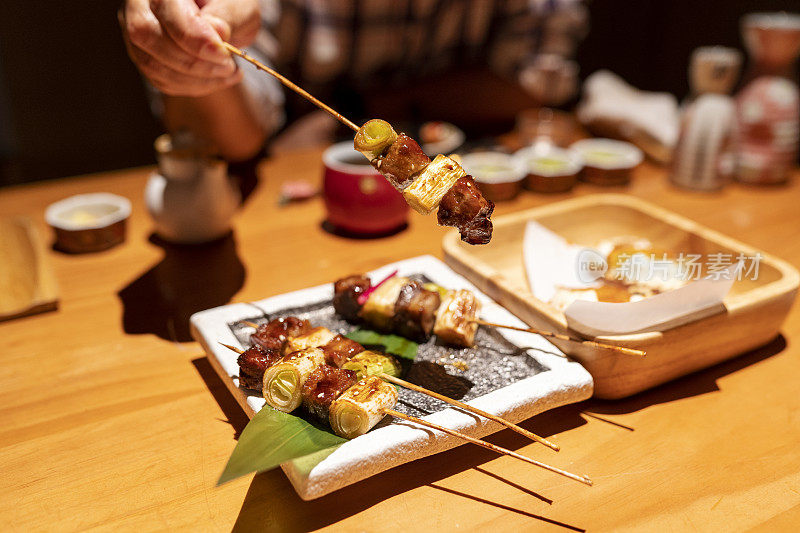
511	374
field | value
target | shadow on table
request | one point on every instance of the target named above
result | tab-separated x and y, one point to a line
234	415
272	504
188	279
695	384
339	232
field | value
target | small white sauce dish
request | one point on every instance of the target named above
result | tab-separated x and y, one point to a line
499	176
607	161
88	222
549	168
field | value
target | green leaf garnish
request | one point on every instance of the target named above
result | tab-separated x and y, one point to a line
272	438
393	344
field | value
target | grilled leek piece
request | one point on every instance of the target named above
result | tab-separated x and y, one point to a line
455	318
283	381
313	339
432	183
378	310
369	363
374	137
361	406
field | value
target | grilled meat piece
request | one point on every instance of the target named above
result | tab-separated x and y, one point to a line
253	362
345	296
465	208
323	386
340	349
251	382
401	161
415	311
274	333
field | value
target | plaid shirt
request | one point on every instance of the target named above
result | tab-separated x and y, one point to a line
360	43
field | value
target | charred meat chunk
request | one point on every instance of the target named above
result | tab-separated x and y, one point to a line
274	333
402	160
415	311
465	208
323	386
253	362
340	349
345	296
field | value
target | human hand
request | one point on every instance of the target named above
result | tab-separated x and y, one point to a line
177	44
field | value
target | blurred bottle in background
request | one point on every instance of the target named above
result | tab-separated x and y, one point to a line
768	107
704	155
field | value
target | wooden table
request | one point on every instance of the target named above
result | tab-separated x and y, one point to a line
100	428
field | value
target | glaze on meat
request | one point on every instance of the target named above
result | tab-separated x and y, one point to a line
340	349
345	296
415	311
323	386
253	362
401	161
274	333
465	208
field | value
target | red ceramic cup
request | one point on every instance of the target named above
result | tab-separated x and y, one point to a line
358	199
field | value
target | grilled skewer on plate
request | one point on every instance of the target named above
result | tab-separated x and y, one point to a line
351	356
409	308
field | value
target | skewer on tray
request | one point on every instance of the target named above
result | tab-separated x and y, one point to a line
417	311
426	185
351	407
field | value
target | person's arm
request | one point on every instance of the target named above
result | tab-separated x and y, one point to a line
177	46
225	118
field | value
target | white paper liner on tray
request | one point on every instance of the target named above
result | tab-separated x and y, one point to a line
386	447
551	262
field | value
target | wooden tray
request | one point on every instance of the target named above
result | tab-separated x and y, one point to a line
752	315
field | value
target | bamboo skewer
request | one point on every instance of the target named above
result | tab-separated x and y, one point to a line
629	351
482	443
288	83
467	407
462	405
451	401
488	445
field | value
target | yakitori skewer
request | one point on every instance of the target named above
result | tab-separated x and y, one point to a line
479	442
488	445
451	401
426	184
288	83
595	344
451	315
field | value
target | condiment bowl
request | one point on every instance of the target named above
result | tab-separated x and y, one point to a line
498	175
549	169
88	222
606	161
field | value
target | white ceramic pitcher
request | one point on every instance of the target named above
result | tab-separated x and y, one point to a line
191	197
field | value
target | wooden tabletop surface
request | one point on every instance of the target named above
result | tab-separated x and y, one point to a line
108	421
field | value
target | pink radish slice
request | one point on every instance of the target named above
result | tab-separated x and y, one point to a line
362	298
